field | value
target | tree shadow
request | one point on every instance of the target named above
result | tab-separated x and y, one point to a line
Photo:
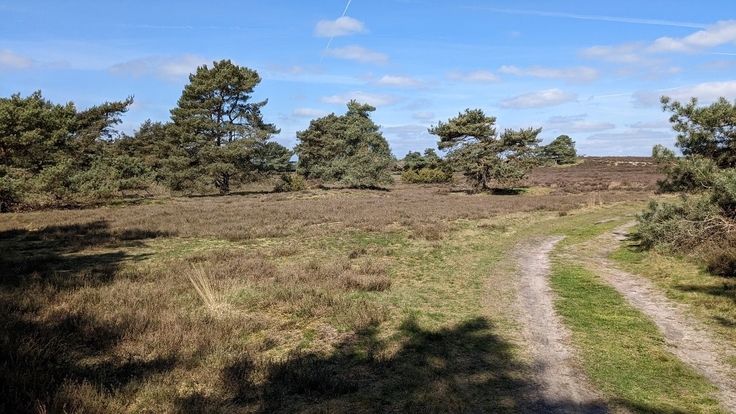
506	191
467	369
44	343
727	291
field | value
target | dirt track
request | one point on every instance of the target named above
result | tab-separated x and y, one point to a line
686	337
561	386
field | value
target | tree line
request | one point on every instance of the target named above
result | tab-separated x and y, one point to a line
216	140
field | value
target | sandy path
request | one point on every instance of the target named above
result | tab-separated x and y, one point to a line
686	337
561	386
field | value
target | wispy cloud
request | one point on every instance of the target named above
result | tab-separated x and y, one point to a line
659	123
11	60
342	26
478	76
635	141
642	53
596	17
164	67
309	113
423	116
705	92
576	123
295	70
577	74
623	53
419	104
400	81
717	34
358	54
369	98
548	97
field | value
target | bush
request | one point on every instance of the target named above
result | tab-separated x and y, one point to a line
679	227
721	261
426	176
10	195
291	182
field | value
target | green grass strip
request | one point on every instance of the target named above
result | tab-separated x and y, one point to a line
622	351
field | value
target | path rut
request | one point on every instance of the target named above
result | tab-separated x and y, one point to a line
686	337
560	385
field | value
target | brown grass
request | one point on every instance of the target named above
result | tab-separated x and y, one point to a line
321	301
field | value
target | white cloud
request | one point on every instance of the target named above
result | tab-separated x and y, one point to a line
419	104
659	123
723	32
717	34
164	67
309	113
705	92
405	129
359	54
400	81
423	116
479	76
343	26
571	74
634	134
623	53
549	97
630	142
576	123
369	98
11	60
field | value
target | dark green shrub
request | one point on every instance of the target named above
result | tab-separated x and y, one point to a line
291	182
426	176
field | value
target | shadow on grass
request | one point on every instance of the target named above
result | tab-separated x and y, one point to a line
726	290
45	344
465	369
506	191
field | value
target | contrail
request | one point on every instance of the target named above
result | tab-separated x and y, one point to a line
330	42
594	17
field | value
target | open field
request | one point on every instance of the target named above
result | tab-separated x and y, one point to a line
317	301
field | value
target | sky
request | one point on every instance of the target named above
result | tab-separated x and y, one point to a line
592	70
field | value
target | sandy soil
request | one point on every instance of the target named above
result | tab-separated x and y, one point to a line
686	337
561	386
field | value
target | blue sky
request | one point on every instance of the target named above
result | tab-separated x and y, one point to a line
591	70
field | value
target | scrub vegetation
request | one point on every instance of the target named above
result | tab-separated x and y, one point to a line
319	300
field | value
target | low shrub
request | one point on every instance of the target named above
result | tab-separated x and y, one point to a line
291	182
426	176
721	261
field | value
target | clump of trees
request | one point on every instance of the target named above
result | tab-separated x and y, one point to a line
703	224
346	149
50	153
53	154
425	169
560	151
217	137
487	158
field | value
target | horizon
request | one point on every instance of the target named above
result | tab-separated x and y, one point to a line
417	62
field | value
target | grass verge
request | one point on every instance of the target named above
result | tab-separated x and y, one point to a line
622	351
711	299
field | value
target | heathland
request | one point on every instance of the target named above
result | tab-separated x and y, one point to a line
337	300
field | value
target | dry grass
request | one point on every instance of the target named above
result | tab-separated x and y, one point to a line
322	301
599	174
